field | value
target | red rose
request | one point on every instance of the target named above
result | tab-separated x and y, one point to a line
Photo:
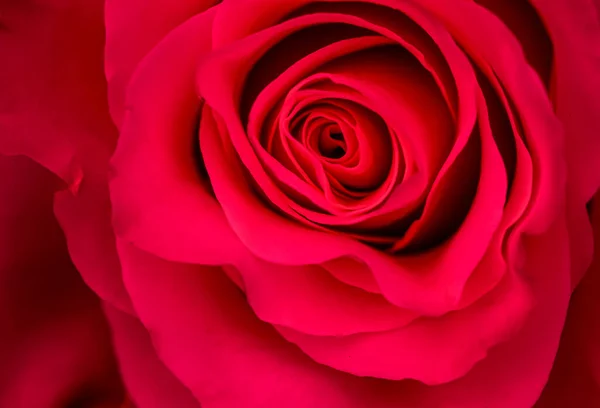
303	203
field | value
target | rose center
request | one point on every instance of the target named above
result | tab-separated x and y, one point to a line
332	144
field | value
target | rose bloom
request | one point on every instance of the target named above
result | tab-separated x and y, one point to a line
300	203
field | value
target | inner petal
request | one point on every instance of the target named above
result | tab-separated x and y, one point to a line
332	144
403	199
352	143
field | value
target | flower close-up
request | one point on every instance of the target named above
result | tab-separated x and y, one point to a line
300	203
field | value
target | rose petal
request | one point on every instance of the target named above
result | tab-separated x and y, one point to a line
86	221
249	46
216	346
352	272
575	32
575	377
53	102
160	200
309	300
255	368
55	347
149	383
56	113
133	28
522	19
417	351
513	374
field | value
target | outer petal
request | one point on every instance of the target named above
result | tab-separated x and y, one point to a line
561	39
523	20
133	28
309	300
575	378
53	95
86	220
160	200
149	383
574	28
55	347
218	348
54	110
